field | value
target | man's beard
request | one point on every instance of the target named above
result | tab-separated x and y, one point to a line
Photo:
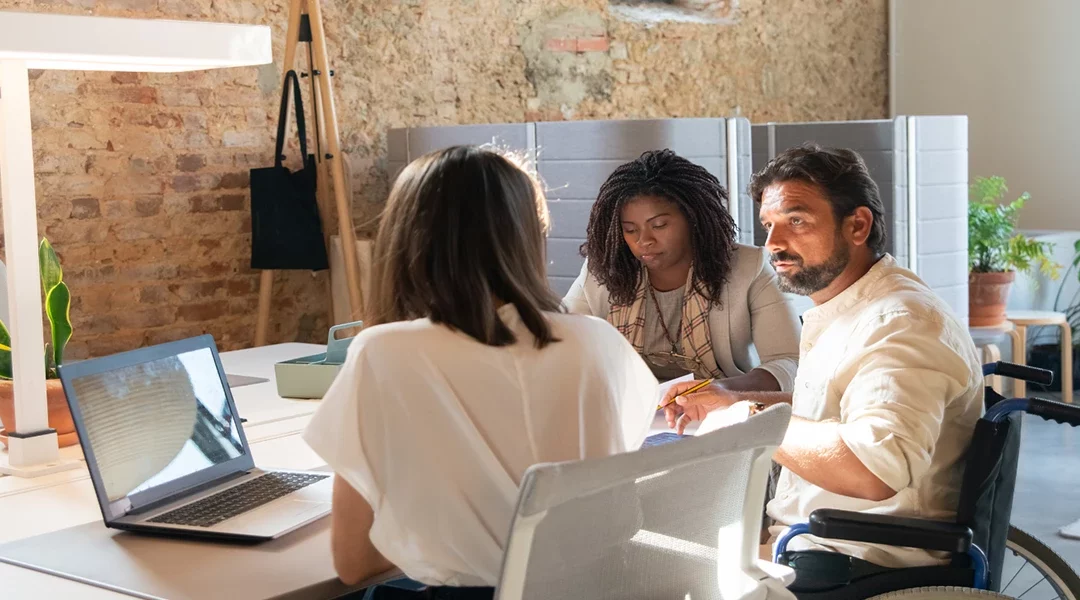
812	279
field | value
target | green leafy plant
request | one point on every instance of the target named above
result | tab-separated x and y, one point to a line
57	309
1072	309
993	244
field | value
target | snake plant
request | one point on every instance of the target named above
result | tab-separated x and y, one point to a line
57	309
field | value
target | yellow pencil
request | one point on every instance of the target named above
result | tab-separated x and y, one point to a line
689	391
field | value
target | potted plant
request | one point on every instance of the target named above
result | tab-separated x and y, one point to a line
58	311
996	252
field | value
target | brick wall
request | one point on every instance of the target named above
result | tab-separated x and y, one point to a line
142	178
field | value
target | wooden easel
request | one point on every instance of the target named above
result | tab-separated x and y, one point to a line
306	25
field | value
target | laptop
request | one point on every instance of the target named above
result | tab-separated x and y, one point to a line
167	452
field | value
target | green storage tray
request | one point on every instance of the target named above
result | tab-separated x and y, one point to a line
309	377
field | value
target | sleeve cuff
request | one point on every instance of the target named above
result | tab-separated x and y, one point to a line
783	370
879	451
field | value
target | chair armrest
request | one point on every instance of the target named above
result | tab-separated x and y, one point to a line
852	526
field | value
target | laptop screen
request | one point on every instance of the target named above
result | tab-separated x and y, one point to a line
151	423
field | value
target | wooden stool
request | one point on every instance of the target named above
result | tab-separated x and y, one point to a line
1023	319
992	354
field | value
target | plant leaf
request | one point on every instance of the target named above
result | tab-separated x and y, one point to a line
58	309
5	352
49	263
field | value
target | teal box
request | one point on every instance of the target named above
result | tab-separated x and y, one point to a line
309	377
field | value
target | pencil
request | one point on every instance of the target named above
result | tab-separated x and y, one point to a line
688	392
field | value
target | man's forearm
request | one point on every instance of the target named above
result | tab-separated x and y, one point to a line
815	451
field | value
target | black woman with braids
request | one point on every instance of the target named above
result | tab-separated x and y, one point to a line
663	267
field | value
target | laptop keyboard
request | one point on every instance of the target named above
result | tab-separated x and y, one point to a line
239	499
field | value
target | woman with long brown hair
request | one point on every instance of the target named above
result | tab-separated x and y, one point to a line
469	374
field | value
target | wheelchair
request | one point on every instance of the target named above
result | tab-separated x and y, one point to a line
989	557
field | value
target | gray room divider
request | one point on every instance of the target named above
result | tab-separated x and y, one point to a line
927	187
573	158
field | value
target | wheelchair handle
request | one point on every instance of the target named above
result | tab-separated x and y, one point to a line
1021	372
1050	410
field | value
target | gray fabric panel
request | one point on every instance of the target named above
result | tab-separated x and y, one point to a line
426	139
569	218
397	145
626	140
564	258
857	135
581	179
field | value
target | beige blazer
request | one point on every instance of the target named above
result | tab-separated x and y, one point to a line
755	327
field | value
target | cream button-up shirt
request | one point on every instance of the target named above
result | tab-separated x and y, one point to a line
889	361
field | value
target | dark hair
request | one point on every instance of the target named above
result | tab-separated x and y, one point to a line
699	196
841	175
463	228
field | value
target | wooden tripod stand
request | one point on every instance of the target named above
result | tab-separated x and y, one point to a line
306	25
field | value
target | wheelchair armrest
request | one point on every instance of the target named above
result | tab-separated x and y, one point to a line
889	530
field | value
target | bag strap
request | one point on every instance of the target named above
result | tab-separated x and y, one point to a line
301	127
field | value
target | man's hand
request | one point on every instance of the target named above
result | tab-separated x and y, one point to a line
686	409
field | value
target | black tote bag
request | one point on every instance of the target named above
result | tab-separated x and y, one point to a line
286	232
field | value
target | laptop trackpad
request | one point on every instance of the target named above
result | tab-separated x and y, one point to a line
277	517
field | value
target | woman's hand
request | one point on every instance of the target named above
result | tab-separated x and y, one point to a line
687	409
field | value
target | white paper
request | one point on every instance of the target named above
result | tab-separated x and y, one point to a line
667	385
718	419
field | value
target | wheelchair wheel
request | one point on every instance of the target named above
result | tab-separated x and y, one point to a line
1032	570
939	593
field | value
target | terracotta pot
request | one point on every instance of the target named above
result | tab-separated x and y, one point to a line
987	295
59	413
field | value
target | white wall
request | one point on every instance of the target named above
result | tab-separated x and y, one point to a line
1011	66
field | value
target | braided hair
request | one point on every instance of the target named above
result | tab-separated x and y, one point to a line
699	196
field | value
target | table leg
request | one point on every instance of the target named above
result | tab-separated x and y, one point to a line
1066	363
1019	356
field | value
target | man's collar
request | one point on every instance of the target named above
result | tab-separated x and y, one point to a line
855	292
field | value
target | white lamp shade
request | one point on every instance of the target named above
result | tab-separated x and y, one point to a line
45	41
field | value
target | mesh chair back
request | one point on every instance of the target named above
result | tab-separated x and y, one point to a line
681	520
986	494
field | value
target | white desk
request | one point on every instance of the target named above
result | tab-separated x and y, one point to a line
30	507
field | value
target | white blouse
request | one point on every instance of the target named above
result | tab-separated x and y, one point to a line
435	430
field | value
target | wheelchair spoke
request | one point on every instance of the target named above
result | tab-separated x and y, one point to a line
1031	588
1015	575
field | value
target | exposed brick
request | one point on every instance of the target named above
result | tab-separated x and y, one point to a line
561	45
593	44
242	138
240	287
233	202
138	95
125	78
202	290
146	318
128	139
180	97
174	333
120	342
203	311
154	294
85	208
233	180
148	206
190	162
195	183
